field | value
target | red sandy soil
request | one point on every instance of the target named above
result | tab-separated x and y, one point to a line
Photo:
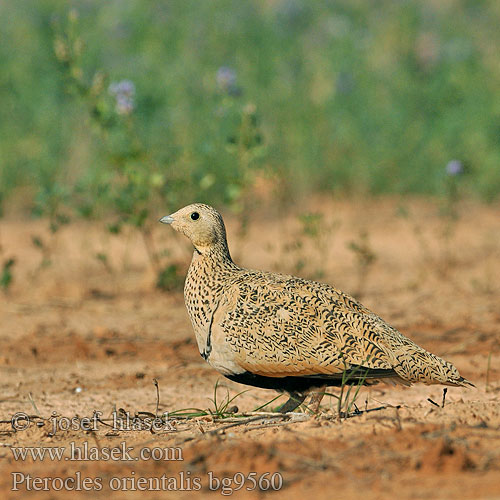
76	338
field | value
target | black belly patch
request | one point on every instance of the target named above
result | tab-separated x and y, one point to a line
303	383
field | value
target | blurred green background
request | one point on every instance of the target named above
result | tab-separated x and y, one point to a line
108	106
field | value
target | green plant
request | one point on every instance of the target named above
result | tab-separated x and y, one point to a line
51	202
245	145
221	408
45	251
261	407
346	401
104	260
310	259
6	276
135	178
365	258
426	256
450	213
169	278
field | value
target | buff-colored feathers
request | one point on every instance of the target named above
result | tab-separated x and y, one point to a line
269	325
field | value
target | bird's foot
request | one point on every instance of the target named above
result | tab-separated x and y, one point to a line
316	399
295	400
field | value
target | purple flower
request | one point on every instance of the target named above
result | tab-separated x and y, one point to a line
227	81
454	167
124	105
124	93
124	87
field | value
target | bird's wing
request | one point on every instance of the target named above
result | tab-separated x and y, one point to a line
283	326
279	326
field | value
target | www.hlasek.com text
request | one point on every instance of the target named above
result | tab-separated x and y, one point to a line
85	452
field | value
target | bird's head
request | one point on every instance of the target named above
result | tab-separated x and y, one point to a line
202	224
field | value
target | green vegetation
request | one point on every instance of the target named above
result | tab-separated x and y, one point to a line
6	274
350	96
221	409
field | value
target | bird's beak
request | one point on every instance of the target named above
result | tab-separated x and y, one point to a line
168	219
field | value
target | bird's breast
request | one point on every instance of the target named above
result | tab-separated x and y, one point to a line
202	293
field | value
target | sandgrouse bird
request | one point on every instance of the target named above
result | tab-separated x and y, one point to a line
290	334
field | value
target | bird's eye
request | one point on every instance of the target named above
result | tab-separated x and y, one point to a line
195	216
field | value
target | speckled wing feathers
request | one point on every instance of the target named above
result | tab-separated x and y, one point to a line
285	326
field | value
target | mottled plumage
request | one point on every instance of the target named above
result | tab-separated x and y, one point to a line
282	332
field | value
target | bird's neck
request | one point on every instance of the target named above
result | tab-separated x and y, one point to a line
208	273
213	257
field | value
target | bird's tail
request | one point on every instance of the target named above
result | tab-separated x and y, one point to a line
461	382
415	364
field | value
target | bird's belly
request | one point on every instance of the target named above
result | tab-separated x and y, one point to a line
215	350
224	365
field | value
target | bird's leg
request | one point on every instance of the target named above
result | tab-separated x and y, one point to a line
295	400
316	398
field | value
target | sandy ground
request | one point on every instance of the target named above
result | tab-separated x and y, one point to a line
77	337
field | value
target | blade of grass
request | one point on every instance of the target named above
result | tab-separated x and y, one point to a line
268	403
